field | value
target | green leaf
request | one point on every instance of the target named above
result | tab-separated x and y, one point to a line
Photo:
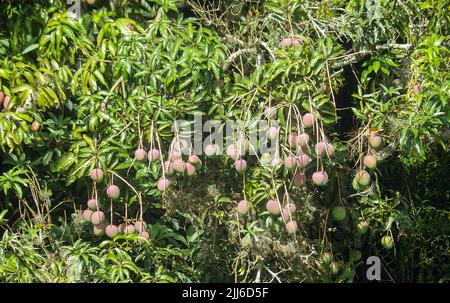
376	66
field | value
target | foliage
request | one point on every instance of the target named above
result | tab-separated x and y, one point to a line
115	78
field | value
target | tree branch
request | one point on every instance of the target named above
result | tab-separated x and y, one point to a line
354	58
236	54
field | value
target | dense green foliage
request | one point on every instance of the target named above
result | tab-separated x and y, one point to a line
86	91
